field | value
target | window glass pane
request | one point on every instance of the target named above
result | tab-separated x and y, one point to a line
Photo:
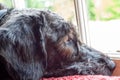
104	25
64	8
7	3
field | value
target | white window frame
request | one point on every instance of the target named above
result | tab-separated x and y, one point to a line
82	21
19	4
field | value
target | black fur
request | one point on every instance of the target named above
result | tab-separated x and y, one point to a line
35	43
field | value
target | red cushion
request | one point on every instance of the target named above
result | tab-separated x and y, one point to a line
83	77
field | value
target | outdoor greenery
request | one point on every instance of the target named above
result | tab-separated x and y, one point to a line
111	11
91	10
64	8
42	4
8	3
114	10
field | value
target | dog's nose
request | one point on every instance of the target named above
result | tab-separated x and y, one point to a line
111	64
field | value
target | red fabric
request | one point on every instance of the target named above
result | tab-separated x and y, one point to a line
83	77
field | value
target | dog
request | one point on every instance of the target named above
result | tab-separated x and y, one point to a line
36	43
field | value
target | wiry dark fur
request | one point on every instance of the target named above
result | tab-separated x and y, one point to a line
35	43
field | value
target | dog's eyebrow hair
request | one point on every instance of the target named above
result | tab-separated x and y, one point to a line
4	28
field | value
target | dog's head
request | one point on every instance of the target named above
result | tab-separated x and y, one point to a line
61	40
34	43
67	55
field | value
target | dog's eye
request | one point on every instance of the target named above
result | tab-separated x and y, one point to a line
69	39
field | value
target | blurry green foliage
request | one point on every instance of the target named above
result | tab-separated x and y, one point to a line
112	10
91	10
42	4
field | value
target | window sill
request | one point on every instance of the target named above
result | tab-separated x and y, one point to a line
115	56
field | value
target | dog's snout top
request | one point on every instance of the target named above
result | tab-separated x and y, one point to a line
89	53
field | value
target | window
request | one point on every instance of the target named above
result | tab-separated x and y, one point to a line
64	8
100	21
